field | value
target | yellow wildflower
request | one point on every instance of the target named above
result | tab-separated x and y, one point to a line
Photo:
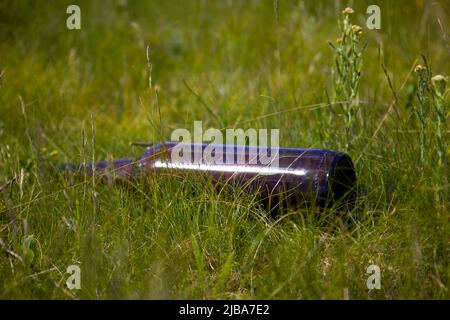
54	153
347	11
420	68
439	78
357	30
440	83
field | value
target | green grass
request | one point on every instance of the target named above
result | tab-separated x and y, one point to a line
244	60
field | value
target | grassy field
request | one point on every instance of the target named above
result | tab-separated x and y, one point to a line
71	95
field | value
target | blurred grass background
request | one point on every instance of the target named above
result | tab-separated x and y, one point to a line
244	60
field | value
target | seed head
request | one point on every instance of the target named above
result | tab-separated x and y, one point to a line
439	78
420	68
357	30
439	83
347	11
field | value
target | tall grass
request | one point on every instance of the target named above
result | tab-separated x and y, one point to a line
74	96
347	76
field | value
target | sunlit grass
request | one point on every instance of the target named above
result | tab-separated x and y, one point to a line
231	64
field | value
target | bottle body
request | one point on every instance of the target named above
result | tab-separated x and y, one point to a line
277	174
274	173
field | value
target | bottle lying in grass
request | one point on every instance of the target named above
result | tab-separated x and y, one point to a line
277	174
